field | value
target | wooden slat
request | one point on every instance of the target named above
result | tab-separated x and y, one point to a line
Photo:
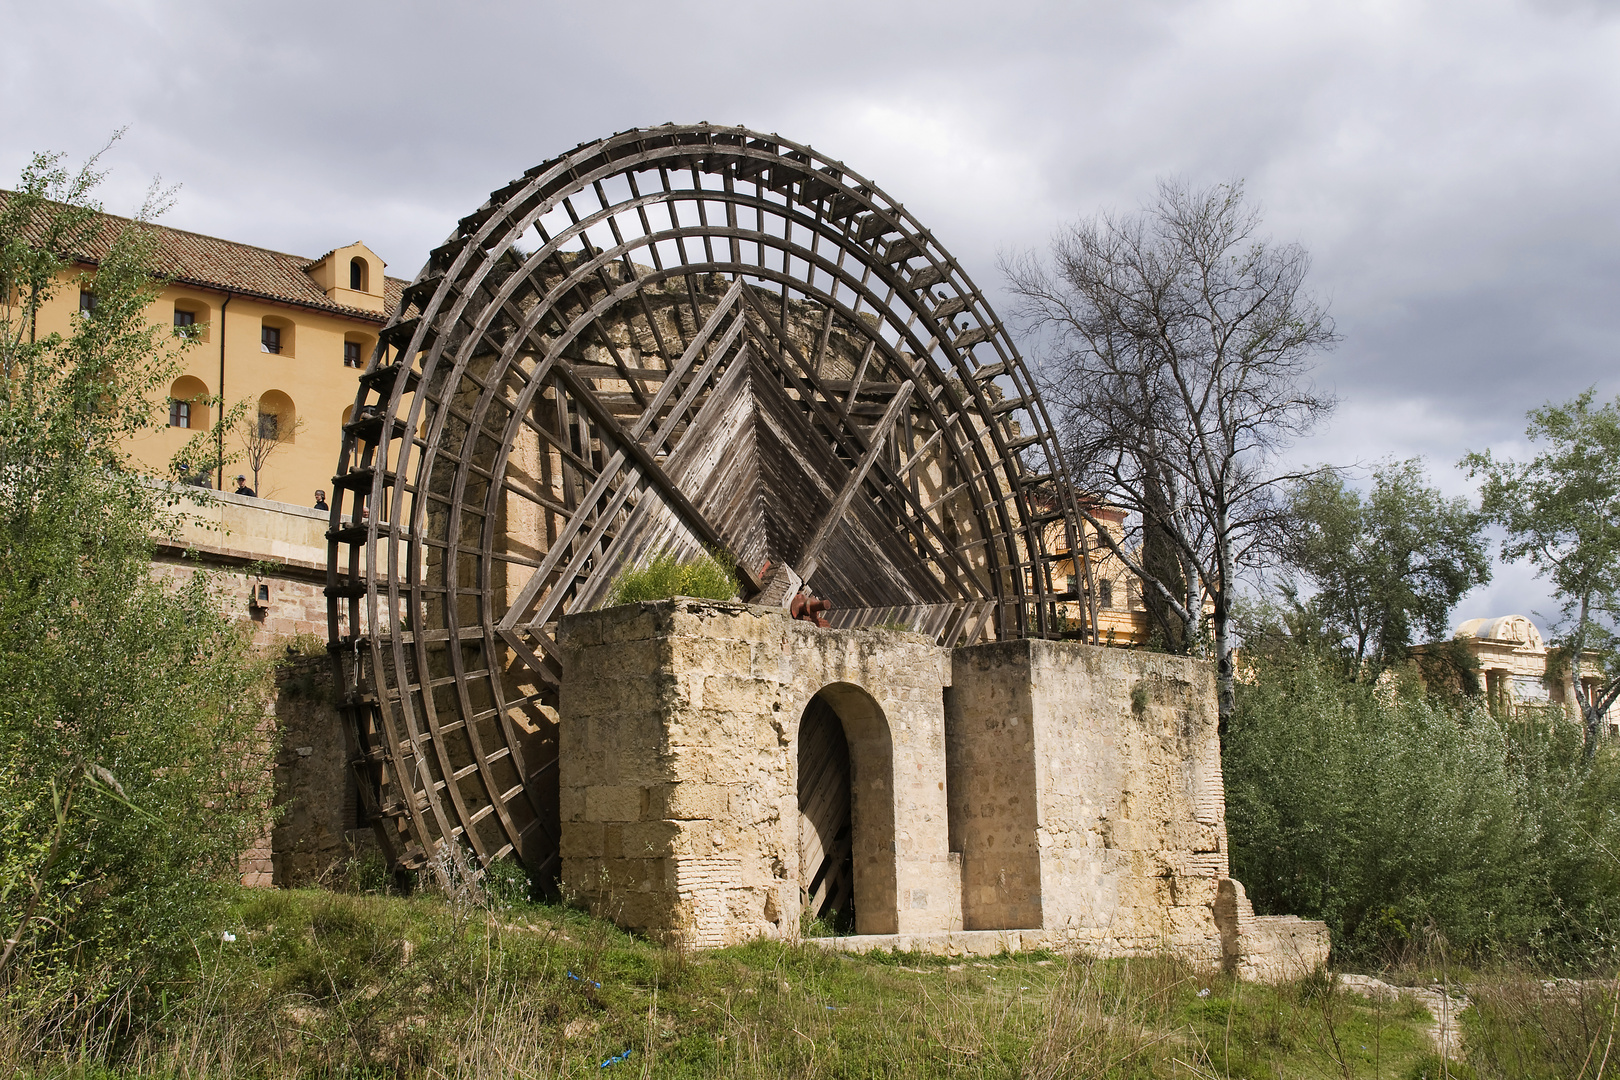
810	559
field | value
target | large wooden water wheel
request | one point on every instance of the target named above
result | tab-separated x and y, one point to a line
670	340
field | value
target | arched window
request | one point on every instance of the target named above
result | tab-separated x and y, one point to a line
358	275
188	403
278	419
276	335
355	348
192	312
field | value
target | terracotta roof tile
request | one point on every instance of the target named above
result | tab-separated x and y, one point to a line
194	259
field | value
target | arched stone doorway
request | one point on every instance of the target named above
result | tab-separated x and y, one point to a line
846	812
826	839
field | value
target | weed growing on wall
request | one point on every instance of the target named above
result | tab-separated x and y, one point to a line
665	575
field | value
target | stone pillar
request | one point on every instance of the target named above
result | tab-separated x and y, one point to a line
679	736
1087	795
990	752
316	829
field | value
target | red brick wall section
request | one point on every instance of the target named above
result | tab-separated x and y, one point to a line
295	606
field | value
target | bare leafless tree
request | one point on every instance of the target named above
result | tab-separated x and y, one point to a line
262	436
1178	346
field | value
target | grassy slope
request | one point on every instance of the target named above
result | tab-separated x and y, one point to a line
322	983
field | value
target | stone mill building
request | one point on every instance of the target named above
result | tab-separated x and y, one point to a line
694	339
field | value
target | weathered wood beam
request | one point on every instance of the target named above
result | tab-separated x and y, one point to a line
810	558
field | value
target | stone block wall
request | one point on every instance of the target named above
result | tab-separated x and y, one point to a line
1029	791
1090	795
316	830
1151	797
254	542
296	604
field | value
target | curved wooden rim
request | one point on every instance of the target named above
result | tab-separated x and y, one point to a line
743	238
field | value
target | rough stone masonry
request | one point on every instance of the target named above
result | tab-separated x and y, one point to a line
1001	796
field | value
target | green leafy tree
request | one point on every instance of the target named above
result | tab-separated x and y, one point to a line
133	765
1561	511
1386	566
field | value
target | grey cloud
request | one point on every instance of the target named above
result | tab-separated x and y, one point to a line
1451	167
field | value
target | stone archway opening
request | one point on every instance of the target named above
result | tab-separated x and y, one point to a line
846	812
826	836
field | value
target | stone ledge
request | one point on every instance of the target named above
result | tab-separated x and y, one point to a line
951	943
241	558
1281	948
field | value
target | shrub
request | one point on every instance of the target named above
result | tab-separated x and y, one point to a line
1522	1025
133	749
1397	817
705	577
506	884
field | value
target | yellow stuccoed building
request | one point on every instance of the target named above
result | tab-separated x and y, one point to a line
284	334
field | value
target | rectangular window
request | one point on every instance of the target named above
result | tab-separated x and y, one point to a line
87	302
184	318
269	426
1105	594
270	339
351	354
180	414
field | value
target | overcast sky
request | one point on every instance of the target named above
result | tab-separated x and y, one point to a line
1453	168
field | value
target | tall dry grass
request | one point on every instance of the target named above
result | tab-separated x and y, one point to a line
1524	1026
322	984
